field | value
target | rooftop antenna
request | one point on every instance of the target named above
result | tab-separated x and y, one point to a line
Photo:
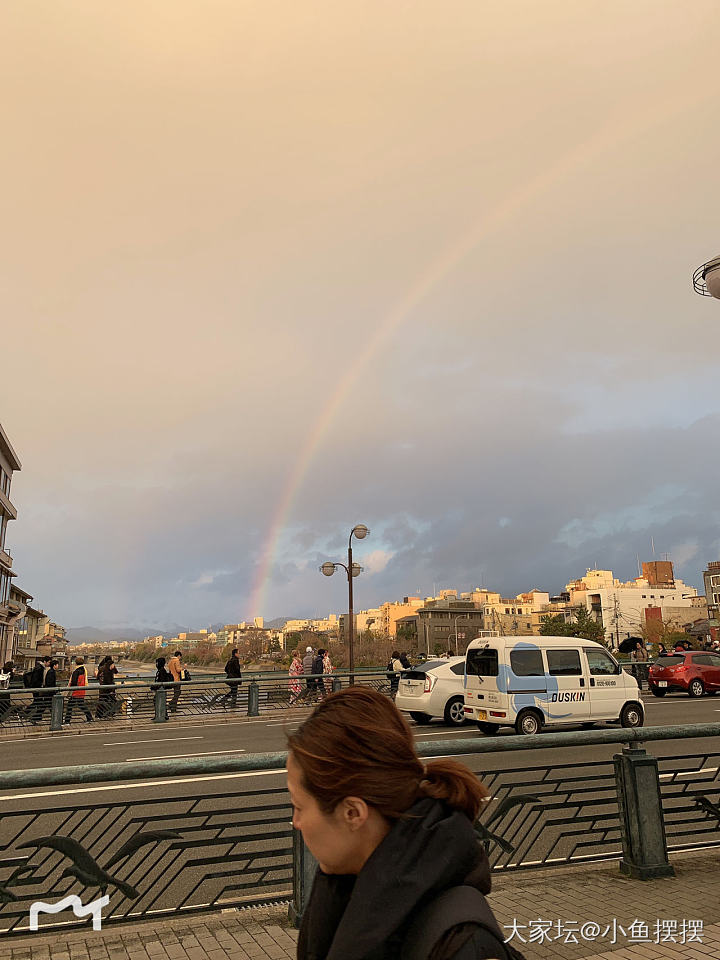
652	544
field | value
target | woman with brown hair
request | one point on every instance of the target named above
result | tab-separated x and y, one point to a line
391	835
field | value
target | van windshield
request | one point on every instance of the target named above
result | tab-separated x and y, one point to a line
482	662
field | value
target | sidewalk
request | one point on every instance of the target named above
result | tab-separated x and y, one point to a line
536	901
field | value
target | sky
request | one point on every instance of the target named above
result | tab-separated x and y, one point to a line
271	270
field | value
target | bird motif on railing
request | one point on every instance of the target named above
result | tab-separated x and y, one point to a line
711	808
87	870
483	829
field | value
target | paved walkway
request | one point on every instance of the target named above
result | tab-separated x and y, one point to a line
576	913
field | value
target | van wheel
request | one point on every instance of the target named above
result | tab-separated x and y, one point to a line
696	689
455	711
528	723
488	728
658	692
422	718
632	715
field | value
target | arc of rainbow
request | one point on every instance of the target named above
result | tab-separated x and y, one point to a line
612	133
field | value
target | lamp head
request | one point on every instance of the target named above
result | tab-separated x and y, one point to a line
328	568
356	569
360	531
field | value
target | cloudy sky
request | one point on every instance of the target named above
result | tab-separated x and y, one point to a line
272	269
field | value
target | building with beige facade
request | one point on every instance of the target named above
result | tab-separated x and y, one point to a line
625	608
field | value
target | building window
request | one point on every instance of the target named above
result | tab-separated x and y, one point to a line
507	610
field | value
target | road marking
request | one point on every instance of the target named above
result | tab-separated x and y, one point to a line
442	733
688	773
144	783
182	756
131	743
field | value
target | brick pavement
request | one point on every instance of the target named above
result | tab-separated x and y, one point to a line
591	893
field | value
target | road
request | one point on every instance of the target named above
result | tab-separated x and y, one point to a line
265	734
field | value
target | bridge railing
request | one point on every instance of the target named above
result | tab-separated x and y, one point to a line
145	700
169	835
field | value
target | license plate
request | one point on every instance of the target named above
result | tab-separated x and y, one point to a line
662	683
482	715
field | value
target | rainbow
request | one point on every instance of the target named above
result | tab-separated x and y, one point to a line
610	135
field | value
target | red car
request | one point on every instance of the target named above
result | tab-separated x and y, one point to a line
695	673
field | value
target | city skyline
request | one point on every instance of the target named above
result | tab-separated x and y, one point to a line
268	277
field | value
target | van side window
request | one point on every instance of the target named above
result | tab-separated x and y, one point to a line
482	662
563	663
527	663
600	662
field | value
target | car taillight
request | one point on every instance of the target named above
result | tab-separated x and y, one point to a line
429	683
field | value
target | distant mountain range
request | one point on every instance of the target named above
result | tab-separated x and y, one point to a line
109	634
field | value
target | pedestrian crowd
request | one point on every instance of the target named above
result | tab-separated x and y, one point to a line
316	668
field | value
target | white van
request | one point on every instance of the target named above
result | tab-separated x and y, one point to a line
528	682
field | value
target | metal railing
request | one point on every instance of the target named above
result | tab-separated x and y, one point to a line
162	836
145	700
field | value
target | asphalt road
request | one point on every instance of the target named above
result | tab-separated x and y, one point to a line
175	739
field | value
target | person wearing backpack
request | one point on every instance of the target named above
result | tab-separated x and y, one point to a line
394	838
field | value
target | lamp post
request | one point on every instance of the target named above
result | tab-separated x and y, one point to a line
458	617
359	531
706	279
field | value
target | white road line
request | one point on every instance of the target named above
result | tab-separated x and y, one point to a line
688	773
181	756
131	743
144	783
443	733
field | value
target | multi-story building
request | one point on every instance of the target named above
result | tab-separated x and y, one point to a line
711	578
11	610
625	609
28	633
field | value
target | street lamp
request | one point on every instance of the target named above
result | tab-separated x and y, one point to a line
359	531
458	617
706	279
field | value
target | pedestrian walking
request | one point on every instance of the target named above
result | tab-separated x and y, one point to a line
307	665
327	672
79	679
317	668
393	837
107	705
296	669
163	679
405	661
662	652
639	656
49	683
234	679
6	679
394	667
176	669
34	679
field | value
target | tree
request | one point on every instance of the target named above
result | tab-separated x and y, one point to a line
583	626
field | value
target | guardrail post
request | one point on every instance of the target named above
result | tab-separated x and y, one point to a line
56	711
253	699
336	684
644	842
304	866
161	713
